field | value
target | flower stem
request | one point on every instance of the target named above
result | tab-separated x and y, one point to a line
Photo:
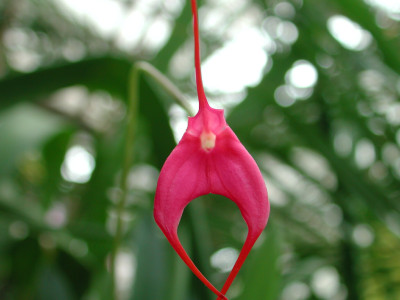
127	162
197	62
165	83
133	107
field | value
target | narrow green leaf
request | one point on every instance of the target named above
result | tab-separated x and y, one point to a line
105	73
52	284
262	278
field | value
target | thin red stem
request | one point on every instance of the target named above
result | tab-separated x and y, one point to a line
199	82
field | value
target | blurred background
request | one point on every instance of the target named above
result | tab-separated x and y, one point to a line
311	88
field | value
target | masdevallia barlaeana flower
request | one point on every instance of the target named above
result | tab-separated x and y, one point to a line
210	159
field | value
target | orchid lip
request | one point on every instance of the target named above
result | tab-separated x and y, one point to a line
207	140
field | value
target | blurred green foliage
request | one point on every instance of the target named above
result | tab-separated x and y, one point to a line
330	156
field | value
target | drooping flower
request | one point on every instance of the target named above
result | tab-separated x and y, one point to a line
210	159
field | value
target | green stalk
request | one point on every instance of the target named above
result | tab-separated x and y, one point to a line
133	106
133	102
167	84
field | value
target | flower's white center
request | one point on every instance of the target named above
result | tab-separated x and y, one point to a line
207	140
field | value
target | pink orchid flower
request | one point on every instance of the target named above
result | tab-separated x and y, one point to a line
210	159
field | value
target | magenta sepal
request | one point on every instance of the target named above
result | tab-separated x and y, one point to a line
220	165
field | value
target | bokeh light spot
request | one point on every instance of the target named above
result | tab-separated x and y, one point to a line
348	33
224	259
303	74
78	165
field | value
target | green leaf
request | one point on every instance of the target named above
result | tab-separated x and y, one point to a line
105	73
160	272
262	278
52	284
23	130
